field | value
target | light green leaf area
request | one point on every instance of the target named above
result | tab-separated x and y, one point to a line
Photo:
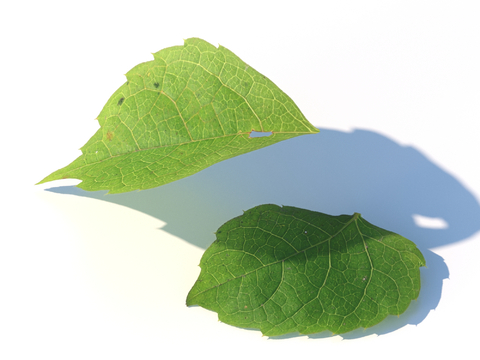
192	106
285	269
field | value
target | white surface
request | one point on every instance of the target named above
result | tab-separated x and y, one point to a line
84	278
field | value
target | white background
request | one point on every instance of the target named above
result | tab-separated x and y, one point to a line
94	276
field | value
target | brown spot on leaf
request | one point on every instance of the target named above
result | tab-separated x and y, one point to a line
109	136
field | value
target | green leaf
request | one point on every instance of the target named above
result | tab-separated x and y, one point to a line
191	107
285	269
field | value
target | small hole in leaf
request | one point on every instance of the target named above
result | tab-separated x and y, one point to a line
429	222
255	134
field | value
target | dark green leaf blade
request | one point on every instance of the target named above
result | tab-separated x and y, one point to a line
285	269
191	107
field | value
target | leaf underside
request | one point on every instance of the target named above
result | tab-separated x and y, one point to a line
285	269
192	106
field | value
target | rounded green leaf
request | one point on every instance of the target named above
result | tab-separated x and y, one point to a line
285	269
191	107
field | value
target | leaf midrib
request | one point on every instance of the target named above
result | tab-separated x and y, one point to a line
185	143
355	216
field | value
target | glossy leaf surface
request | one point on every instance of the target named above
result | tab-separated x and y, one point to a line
285	269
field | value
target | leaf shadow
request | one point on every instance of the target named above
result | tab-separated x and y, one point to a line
334	172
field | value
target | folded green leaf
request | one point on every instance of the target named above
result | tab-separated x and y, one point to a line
284	269
191	107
